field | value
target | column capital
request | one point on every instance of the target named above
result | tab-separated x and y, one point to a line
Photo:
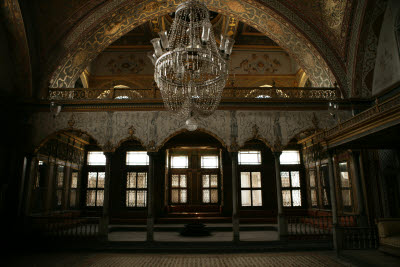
153	153
108	154
277	154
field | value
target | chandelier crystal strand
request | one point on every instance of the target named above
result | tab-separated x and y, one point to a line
190	71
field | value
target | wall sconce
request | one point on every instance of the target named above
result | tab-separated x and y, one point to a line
55	109
333	108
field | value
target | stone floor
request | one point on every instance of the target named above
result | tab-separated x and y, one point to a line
305	258
176	260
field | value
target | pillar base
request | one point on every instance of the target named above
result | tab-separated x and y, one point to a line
150	229
282	226
235	228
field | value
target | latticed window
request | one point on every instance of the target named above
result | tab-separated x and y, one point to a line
73	190
59	185
290	178
313	187
178	188
95	189
324	177
249	157
136	179
291	191
210	188
250	186
136	189
345	185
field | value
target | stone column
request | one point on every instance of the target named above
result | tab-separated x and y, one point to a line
24	184
282	225
31	175
105	219
235	202
363	220
332	189
49	198
150	196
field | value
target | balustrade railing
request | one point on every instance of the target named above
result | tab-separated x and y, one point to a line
361	117
359	237
309	227
65	227
255	93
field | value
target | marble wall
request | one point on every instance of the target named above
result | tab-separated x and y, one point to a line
154	128
387	65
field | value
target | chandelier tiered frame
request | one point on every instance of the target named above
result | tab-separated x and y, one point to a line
190	70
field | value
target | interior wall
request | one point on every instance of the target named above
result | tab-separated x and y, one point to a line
6	64
387	65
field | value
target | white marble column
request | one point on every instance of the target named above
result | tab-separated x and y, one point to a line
150	196
363	220
332	189
105	218
235	202
282	225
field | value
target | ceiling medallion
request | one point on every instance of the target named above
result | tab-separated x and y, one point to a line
190	70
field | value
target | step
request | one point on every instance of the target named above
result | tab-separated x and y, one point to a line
180	227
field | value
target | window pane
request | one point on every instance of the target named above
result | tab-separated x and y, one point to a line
206	180
285	179
175	196
249	157
72	198
130	198
256	179
295	175
91	198
245	179
257	199
175	180
96	158
142	180
214	196
59	197
100	179
179	162
74	180
137	158
312	178
92	176
246	198
214	180
314	202
344	175
183	196
287	199
206	196
131	180
100	198
346	196
326	198
296	198
209	162
141	200
183	182
60	176
290	157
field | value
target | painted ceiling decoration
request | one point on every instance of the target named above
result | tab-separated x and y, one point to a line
322	35
89	39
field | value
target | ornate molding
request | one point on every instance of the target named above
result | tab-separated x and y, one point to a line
98	36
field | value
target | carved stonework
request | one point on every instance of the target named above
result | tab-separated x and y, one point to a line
155	127
71	122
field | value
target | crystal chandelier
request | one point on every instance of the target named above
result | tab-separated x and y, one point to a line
190	70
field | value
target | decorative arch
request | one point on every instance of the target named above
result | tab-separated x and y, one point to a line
184	130
88	39
261	139
130	138
69	130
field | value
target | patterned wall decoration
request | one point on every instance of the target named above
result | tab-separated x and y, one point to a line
93	36
153	128
331	17
12	17
367	49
